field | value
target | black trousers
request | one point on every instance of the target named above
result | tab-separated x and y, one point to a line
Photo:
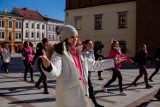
28	68
156	70
116	74
91	92
5	65
42	78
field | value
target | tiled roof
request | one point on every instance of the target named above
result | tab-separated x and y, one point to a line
29	14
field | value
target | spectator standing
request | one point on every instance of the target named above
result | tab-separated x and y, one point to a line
6	55
98	46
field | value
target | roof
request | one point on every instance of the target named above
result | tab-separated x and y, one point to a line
28	14
77	4
2	13
53	20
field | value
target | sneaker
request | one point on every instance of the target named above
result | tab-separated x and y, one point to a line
149	86
157	97
37	87
150	80
123	93
32	80
98	105
104	89
134	84
100	78
45	92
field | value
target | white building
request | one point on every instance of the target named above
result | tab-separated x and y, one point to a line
34	25
51	30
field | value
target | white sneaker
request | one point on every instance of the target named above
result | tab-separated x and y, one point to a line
123	93
104	89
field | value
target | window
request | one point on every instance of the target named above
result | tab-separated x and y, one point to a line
2	23
98	22
43	27
10	24
9	36
42	35
32	35
27	25
1	34
122	45
122	19
27	34
37	26
18	35
37	34
20	25
53	28
32	25
78	22
49	28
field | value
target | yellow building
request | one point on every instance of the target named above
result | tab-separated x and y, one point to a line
11	30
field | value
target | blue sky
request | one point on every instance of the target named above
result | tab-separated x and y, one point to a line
52	8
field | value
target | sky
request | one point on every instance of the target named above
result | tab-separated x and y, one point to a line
52	8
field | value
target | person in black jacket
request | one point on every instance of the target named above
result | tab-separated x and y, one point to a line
141	60
157	63
98	46
40	47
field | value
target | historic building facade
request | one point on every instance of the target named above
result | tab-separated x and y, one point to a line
11	30
34	25
103	20
52	24
132	22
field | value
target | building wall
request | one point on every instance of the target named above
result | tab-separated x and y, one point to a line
110	24
148	24
14	44
33	39
51	31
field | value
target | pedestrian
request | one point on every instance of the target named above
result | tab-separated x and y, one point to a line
115	51
98	46
1	49
157	63
89	53
71	69
141	60
40	47
6	55
27	54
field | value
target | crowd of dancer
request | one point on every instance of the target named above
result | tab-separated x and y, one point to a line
72	63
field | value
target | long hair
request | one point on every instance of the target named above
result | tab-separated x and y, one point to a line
59	47
113	44
25	43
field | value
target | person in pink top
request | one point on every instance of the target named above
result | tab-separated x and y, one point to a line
115	52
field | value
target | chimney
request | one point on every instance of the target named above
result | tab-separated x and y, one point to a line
25	8
5	10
